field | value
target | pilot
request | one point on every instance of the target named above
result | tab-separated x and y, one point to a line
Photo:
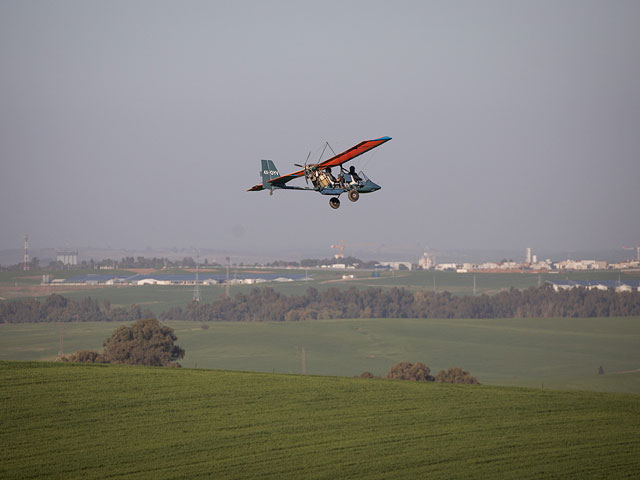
355	178
314	175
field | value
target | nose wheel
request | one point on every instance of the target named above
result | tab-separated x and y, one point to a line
353	195
334	202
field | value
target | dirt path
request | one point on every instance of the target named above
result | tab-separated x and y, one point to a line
637	370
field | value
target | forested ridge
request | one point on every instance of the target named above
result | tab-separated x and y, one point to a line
265	304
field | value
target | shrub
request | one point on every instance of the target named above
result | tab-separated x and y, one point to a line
85	356
416	372
455	375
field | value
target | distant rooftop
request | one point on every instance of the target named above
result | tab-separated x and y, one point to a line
179	277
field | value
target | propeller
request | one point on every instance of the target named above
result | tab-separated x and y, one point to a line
306	177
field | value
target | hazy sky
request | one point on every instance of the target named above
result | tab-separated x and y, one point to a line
136	123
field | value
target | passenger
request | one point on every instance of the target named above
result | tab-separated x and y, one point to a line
355	178
331	177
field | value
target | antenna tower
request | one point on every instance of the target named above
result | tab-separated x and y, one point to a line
26	252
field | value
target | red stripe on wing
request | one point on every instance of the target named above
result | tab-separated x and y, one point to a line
353	152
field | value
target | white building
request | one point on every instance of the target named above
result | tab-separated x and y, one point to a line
581	265
396	265
447	266
488	266
67	257
153	281
508	265
427	261
542	265
625	265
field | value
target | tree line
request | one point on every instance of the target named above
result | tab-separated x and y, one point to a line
265	304
268	305
56	308
157	263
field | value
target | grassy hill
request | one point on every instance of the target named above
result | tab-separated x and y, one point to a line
97	421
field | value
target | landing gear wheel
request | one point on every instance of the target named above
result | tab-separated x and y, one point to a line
353	195
334	202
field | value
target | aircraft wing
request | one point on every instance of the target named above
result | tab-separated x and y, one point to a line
352	153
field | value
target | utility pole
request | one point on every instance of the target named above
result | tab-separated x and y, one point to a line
60	349
227	285
474	285
26	252
196	287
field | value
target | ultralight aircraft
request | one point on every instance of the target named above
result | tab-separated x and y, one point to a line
321	178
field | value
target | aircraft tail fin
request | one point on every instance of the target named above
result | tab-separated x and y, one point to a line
269	172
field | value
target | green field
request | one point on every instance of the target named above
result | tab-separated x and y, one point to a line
96	421
560	353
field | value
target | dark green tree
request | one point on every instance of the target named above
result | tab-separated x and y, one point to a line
146	342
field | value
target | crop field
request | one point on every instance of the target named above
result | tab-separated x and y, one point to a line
559	353
160	298
98	421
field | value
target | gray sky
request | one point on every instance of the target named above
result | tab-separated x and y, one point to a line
128	124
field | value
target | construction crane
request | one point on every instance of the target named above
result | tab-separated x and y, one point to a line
340	247
636	248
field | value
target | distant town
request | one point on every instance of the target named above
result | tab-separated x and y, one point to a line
531	263
67	259
141	270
